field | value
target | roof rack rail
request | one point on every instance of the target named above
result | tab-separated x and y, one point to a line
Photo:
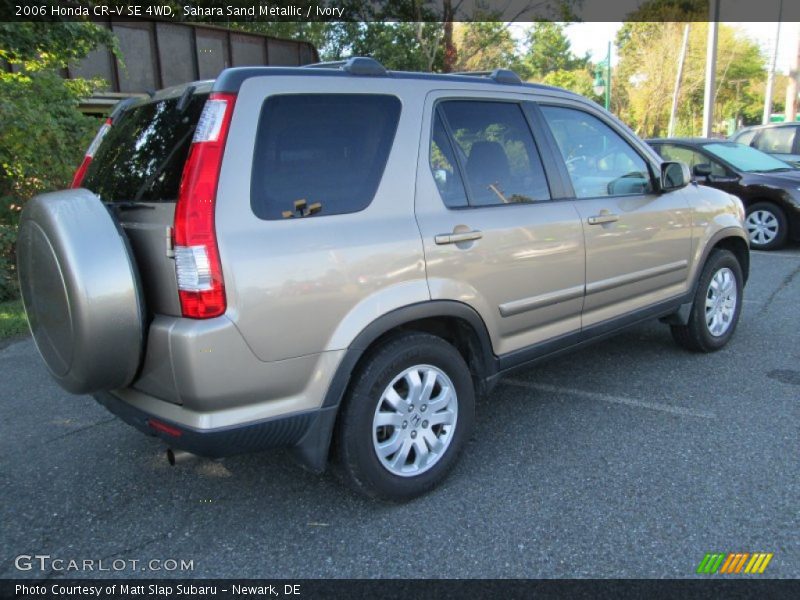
331	64
357	65
498	75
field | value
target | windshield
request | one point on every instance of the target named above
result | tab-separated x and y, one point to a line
745	158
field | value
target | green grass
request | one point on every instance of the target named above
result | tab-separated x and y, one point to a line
12	319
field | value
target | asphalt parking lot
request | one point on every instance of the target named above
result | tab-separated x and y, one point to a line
631	458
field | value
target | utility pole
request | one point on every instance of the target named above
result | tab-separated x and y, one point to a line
676	92
791	87
711	68
771	74
608	77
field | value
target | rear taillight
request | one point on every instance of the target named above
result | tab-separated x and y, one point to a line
77	180
197	264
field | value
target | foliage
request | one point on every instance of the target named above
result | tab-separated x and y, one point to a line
645	77
483	46
34	46
549	50
12	319
42	133
579	81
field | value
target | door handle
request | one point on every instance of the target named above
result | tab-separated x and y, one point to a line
455	238
603	218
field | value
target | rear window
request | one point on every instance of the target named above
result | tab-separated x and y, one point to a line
142	155
329	149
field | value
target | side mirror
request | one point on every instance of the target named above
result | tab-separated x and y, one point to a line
674	175
702	170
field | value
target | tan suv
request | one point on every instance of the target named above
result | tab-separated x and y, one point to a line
295	256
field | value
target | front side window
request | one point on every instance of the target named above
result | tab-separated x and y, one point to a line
328	150
599	161
494	150
692	158
776	140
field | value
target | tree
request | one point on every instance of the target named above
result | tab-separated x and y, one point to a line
646	76
483	46
579	81
42	133
548	50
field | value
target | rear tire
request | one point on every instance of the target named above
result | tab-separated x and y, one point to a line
716	306
407	416
767	226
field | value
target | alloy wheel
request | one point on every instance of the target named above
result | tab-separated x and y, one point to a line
721	298
415	420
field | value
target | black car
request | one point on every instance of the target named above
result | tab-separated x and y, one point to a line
768	187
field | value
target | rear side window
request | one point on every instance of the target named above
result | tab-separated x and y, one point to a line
142	155
444	167
745	137
496	151
329	149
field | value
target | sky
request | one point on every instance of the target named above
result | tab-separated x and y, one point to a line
593	37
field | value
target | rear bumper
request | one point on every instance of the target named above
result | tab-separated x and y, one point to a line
206	368
307	432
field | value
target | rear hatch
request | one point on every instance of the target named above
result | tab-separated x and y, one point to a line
137	170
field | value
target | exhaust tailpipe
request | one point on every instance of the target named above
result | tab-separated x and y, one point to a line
175	457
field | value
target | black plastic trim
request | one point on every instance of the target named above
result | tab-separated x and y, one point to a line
402	316
727	232
224	441
590	334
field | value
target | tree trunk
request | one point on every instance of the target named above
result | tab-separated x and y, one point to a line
450	51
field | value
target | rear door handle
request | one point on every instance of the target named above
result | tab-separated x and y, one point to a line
455	238
603	218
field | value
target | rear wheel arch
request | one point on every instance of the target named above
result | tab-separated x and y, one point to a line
455	322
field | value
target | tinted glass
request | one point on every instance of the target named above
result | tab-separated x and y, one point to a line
776	140
329	149
692	158
497	152
745	137
599	161
746	158
142	155
445	168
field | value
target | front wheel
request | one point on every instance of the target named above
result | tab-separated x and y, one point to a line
406	418
716	306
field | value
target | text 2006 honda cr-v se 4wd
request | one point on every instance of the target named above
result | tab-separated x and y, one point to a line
339	259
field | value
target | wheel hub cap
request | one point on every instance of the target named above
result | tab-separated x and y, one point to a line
762	227
721	298
415	420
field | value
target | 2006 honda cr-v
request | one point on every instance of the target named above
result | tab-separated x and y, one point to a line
291	256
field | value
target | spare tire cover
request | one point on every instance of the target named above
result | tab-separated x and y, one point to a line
81	291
